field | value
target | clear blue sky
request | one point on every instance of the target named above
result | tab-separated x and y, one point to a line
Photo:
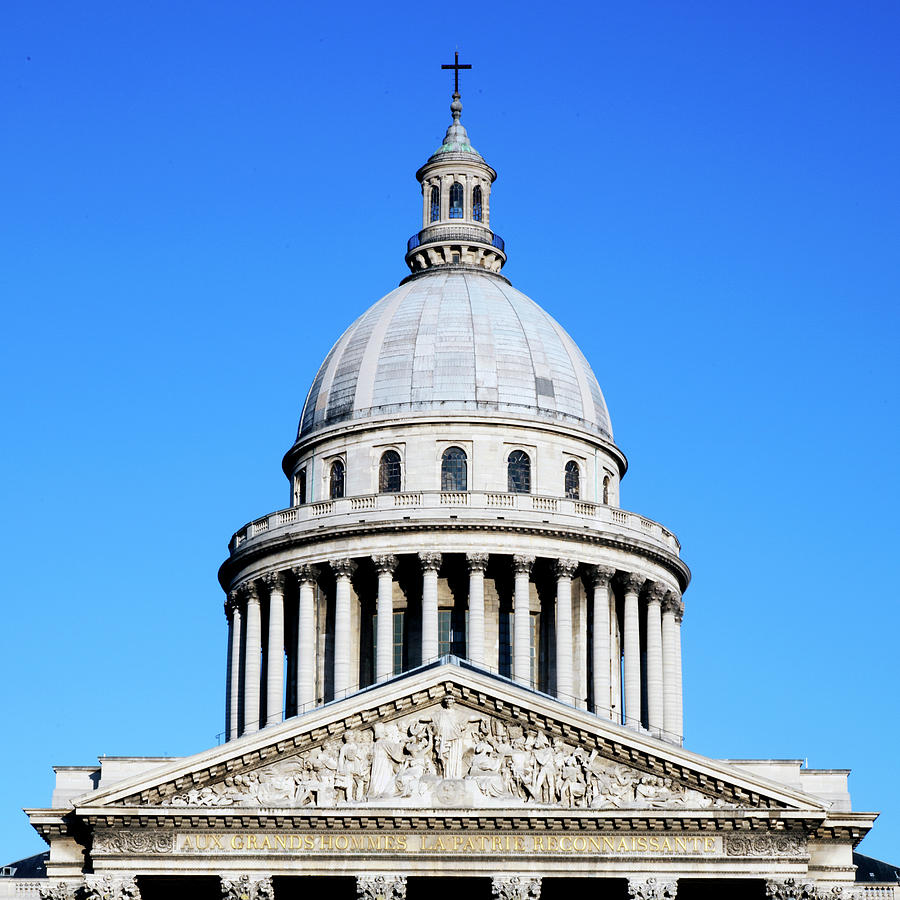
198	197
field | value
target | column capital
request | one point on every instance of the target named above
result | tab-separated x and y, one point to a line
632	581
232	601
523	564
342	568
430	561
385	564
249	591
247	887
478	562
671	602
652	888
657	591
565	568
600	576
110	887
792	889
304	574
274	581
515	887
60	890
381	887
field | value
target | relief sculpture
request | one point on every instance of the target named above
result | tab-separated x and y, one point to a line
446	756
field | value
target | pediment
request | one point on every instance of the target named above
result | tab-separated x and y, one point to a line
448	738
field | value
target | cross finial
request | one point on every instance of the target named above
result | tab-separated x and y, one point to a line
456	66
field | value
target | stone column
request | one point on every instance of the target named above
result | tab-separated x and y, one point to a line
110	887
234	664
275	649
343	569
431	562
306	637
515	887
252	652
477	563
565	569
384	639
632	583
522	620
381	887
670	684
247	887
655	704
679	697
652	888
601	654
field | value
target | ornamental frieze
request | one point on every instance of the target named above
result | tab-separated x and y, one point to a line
765	845
134	842
446	756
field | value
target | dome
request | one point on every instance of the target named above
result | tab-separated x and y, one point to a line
455	340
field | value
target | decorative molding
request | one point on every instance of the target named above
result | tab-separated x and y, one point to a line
110	887
342	568
766	845
477	562
792	889
274	581
565	568
515	887
59	890
304	574
385	564
632	581
381	887
247	887
600	576
446	755
134	842
430	560
652	888
522	564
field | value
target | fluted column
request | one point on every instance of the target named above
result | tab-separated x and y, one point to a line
274	581
632	648
477	563
655	703
679	696
515	887
234	664
565	569
384	639
670	701
601	654
522	620
343	569
431	562
306	637
252	651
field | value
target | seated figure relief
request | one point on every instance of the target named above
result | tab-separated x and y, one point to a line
449	755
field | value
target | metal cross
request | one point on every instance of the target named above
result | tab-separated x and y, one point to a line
456	67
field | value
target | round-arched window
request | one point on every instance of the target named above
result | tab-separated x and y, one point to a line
606	489
518	472
573	480
454	475
336	480
476	204
389	475
456	200
435	203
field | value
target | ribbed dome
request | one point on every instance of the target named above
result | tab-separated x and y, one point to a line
451	341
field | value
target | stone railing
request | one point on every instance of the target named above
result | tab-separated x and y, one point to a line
878	891
437	234
467	505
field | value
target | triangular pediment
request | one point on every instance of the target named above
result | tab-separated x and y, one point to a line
448	737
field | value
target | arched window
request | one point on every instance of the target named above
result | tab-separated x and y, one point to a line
456	200
606	489
389	472
336	480
518	471
300	487
435	203
573	480
476	204
453	470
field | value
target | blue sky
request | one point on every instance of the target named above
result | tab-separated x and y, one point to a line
198	198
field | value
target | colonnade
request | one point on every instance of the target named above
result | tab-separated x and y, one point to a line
633	656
